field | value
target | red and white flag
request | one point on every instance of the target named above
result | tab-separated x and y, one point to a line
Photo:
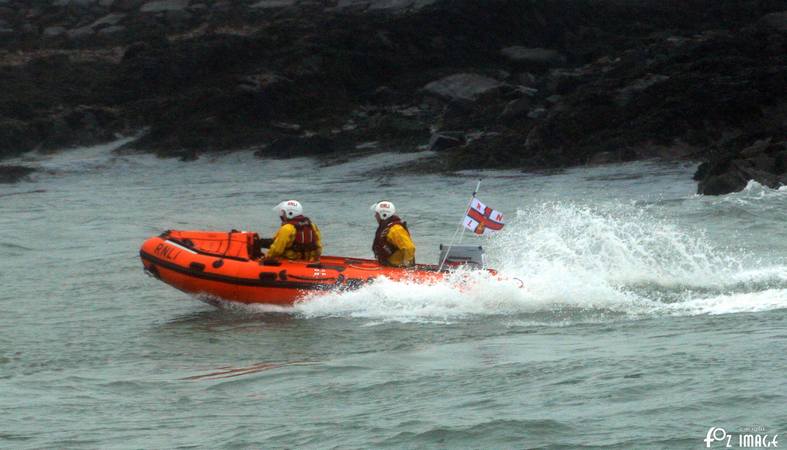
483	220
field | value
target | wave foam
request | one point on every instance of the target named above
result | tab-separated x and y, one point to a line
577	262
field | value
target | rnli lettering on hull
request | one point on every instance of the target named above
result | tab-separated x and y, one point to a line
165	251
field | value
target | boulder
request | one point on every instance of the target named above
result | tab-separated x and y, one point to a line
398	126
722	178
604	158
178	16
127	5
532	57
446	139
17	136
390	4
108	20
82	3
625	94
757	148
81	32
164	5
517	108
269	4
384	5
537	113
763	162
418	4
13	174
260	83
108	31
53	31
463	87
774	22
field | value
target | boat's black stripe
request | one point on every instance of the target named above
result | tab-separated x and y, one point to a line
235	280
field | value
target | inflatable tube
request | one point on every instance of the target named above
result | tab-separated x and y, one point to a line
228	266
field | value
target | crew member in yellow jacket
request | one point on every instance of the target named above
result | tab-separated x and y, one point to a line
298	237
392	245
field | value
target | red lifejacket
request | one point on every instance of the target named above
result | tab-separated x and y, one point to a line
381	247
305	237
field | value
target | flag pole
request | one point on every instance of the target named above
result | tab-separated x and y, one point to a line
461	226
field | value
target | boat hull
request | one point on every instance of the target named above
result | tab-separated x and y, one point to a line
224	266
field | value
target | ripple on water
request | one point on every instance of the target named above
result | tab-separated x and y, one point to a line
648	314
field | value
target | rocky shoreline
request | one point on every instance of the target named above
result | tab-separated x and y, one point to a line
504	83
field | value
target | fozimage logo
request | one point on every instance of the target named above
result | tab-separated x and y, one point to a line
741	440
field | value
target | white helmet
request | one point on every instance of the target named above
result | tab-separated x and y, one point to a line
289	209
384	208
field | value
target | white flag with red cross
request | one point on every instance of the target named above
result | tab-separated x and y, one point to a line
483	220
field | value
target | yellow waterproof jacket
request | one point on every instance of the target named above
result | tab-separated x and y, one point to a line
283	240
404	255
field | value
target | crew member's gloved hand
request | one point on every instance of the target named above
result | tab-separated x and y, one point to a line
266	242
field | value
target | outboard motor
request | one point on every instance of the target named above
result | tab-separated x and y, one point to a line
463	255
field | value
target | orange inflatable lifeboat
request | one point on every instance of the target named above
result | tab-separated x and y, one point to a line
228	266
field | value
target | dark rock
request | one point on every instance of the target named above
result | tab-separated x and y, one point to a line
108	31
723	178
384	94
756	148
537	113
625	94
523	57
16	137
108	20
127	5
517	108
27	30
607	157
526	78
219	74
164	5
554	99
763	162
178	16
396	123
285	127
81	3
382	5
13	174
564	82
446	139
261	83
395	5
54	31
188	155
268	4
775	22
463	87
81	32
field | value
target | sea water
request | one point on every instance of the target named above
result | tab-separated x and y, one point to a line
648	314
